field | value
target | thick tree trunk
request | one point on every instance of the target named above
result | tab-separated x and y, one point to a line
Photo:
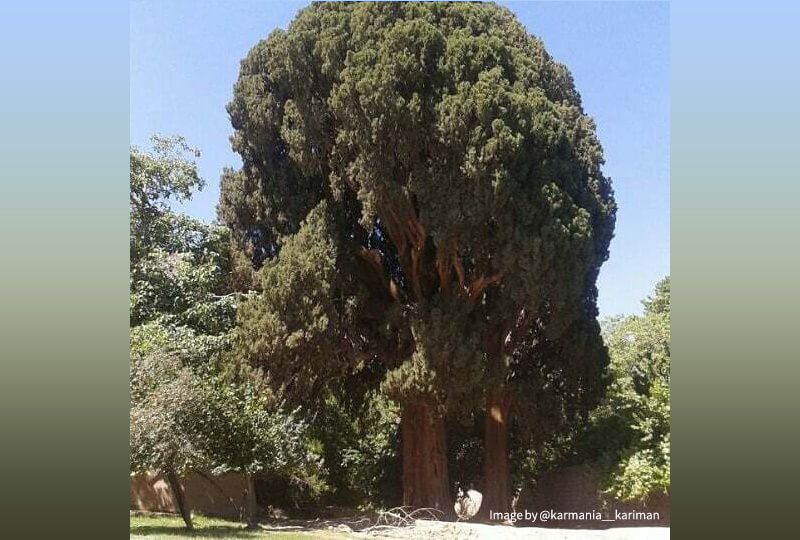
425	478
252	503
496	470
180	500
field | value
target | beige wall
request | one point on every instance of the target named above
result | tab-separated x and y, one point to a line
151	493
573	489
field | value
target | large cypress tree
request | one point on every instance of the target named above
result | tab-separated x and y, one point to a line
425	189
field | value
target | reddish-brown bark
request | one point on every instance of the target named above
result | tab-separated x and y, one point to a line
496	470
425	477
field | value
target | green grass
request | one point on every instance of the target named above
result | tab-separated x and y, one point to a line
165	527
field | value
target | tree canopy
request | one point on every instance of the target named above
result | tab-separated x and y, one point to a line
426	189
193	408
630	431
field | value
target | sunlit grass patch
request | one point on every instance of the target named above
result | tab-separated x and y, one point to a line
168	527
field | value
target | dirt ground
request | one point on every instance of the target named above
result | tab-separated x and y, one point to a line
151	526
426	529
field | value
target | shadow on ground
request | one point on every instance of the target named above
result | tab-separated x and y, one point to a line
205	532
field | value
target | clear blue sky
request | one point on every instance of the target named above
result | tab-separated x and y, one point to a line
185	58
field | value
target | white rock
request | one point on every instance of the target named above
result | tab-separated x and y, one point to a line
467	504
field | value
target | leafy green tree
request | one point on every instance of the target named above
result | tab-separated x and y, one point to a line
370	454
248	432
630	430
659	302
610	323
187	419
425	188
164	401
180	267
166	173
192	407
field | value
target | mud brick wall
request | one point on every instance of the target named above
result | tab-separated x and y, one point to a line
573	489
225	497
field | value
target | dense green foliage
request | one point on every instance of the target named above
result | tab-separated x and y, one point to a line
424	192
299	316
167	173
362	450
630	431
185	419
179	266
559	382
418	224
458	178
166	404
192	408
